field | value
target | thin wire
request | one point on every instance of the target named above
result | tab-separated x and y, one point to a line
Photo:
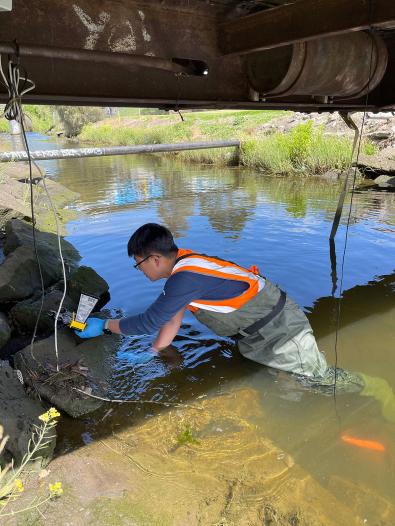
55	215
349	216
25	143
344	257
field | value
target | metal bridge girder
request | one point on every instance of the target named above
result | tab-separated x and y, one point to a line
129	52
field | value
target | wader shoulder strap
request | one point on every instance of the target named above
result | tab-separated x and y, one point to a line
186	256
254	327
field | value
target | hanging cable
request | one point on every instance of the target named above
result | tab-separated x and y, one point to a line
338	313
18	84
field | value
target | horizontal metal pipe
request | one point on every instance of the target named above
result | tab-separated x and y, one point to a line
118	59
75	153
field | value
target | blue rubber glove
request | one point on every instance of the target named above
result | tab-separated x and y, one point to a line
94	327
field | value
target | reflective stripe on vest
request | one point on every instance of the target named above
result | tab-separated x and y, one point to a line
218	268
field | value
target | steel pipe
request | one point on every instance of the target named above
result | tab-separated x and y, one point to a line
76	153
116	59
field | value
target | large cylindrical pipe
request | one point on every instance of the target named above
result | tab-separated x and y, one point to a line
342	66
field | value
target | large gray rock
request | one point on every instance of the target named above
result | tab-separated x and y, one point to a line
24	314
85	280
18	415
338	174
83	364
19	233
15	202
385	181
376	164
19	274
12	202
5	330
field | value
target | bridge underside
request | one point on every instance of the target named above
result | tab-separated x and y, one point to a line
305	55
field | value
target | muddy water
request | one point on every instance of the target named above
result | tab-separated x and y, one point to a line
282	225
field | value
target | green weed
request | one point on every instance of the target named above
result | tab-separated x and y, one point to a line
186	437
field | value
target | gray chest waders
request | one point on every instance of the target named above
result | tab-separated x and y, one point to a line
272	330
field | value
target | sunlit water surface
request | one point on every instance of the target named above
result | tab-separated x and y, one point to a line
282	225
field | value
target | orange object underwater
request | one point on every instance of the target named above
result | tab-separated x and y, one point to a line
365	444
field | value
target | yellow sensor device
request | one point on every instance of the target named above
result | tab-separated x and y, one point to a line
85	307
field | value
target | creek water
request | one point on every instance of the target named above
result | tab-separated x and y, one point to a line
282	225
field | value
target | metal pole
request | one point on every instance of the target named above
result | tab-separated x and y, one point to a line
75	153
113	58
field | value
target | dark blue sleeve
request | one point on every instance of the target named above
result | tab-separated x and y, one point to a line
179	290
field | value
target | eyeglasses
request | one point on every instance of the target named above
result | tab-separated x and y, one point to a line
137	265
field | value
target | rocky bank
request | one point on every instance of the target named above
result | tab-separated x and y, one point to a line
24	269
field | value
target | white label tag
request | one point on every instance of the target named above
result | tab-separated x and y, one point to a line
85	307
5	5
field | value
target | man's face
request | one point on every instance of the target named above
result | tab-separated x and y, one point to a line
151	266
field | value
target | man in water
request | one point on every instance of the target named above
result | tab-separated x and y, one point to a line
232	301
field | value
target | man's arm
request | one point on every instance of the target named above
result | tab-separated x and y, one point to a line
113	326
168	332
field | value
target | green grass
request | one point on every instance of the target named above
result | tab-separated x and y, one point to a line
305	149
4	126
41	118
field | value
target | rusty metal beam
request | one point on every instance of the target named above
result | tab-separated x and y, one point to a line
303	20
110	52
296	104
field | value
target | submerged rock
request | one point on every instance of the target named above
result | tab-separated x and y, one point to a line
5	330
337	174
84	366
18	415
15	202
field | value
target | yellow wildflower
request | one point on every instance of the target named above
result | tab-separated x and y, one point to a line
55	489
51	414
44	417
19	485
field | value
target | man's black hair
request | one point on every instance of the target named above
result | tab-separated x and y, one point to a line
151	238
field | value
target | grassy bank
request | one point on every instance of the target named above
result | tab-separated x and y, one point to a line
305	149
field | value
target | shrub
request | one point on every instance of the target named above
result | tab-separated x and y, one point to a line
73	118
41	117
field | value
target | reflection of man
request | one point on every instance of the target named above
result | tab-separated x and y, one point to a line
232	301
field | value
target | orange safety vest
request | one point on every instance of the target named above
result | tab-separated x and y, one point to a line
211	266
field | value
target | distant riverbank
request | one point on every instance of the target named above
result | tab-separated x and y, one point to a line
300	147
